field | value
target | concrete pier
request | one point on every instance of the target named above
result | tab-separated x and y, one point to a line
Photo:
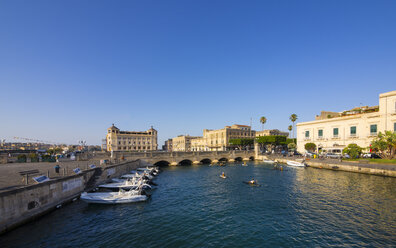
23	204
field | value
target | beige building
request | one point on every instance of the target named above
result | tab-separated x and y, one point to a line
271	132
218	140
182	143
333	131
117	140
168	146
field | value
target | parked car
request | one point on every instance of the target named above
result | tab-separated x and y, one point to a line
310	154
295	153
346	156
370	155
333	155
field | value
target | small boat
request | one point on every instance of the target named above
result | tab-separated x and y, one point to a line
267	161
114	197
244	164
223	176
295	163
252	183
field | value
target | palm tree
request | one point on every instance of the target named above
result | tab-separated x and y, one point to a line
290	127
263	120
293	118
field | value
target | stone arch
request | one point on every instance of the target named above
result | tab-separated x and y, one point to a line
238	159
251	158
185	162
162	163
206	161
223	160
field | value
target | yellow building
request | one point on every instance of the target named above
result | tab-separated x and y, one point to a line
218	140
333	131
182	143
117	140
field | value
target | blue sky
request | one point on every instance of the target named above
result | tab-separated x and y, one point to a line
69	69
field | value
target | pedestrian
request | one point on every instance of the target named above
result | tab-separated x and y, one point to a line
57	167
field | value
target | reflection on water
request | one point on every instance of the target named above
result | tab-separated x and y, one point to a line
194	207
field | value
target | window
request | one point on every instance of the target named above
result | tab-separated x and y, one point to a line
335	132
373	129
306	134
353	131
394	127
320	133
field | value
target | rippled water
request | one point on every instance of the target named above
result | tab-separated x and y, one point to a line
194	207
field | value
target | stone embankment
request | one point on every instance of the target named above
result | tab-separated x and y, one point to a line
20	205
372	169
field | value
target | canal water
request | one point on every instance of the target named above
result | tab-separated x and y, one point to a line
194	207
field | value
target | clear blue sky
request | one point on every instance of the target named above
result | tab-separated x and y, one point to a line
69	69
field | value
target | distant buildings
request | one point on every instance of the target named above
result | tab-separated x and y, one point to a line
182	143
117	140
333	131
168	146
218	140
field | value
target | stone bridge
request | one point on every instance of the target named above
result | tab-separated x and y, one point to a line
187	158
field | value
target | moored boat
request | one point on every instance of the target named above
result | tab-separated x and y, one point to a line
114	197
267	161
295	163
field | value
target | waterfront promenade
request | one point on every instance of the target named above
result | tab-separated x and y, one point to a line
11	179
350	166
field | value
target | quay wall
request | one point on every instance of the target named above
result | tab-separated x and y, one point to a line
347	167
24	204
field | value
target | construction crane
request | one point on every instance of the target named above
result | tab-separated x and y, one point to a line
37	141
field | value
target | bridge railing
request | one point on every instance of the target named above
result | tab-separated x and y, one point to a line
179	154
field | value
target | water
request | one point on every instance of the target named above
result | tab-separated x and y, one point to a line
194	207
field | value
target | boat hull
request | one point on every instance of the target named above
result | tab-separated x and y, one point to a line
108	198
296	164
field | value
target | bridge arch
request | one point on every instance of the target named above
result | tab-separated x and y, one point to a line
186	162
162	163
251	158
223	160
206	161
238	159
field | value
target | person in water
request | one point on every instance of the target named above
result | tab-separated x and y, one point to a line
252	181
222	174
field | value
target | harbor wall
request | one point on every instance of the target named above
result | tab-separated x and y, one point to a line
24	204
347	167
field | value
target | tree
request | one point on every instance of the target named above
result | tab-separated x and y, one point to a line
385	144
240	142
311	147
290	128
353	150
293	118
291	146
263	120
271	141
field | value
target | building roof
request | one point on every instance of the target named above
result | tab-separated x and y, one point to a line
113	127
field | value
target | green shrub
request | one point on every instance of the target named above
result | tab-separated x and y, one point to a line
353	150
311	147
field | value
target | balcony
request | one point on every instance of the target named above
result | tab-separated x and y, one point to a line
320	138
307	138
336	136
373	134
353	136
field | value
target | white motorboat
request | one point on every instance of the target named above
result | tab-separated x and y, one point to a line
127	184
113	197
295	163
267	161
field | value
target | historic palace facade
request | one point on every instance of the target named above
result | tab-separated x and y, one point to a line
117	140
218	140
333	131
